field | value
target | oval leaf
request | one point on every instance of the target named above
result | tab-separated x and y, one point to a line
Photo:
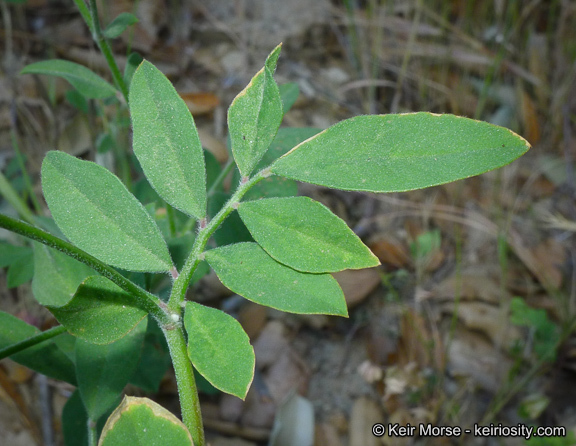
319	243
100	312
254	117
84	80
166	141
97	213
393	153
104	370
246	269
219	349
142	422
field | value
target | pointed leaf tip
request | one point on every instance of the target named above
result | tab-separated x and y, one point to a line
394	153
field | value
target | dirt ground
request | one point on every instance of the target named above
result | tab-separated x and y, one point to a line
438	334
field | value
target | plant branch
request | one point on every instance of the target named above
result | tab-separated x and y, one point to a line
181	283
148	302
99	38
31	341
190	405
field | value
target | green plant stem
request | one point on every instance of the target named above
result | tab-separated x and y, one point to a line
223	174
31	341
190	405
105	48
148	302
181	283
92	433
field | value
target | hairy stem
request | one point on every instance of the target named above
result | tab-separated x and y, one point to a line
181	284
105	49
190	405
31	341
147	302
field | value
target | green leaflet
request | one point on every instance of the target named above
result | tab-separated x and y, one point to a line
246	269
84	80
46	358
100	312
56	276
393	153
254	117
166	141
219	349
305	235
104	370
97	213
119	25
142	422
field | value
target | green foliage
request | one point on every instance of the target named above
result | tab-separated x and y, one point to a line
219	349
272	248
119	25
395	153
166	141
140	421
83	79
546	333
114	227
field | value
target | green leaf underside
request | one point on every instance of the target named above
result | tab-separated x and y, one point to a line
394	153
253	120
219	349
97	213
305	235
166	141
248	270
46	358
143	422
104	370
56	276
84	80
100	312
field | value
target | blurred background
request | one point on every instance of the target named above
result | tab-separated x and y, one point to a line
470	318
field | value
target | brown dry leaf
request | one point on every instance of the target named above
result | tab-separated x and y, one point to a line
474	284
418	343
357	284
471	355
544	260
200	103
491	320
391	252
365	413
530	119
